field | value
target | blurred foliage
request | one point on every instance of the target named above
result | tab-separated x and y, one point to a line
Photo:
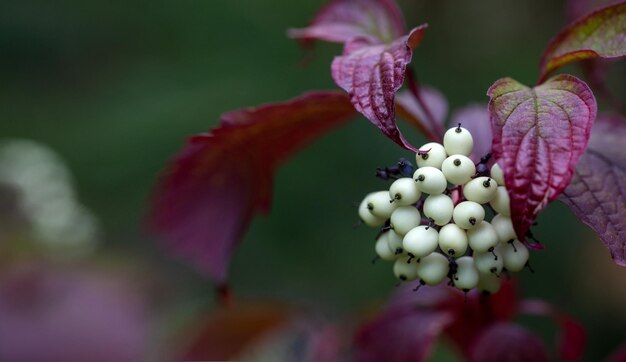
115	88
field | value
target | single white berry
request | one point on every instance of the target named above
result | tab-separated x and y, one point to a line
500	202
468	214
453	240
489	283
466	276
378	204
480	190
483	237
504	228
433	268
430	180
395	242
405	218
431	154
514	254
496	174
420	241
458	141
404	269
439	208
489	262
404	191
382	249
366	216
458	169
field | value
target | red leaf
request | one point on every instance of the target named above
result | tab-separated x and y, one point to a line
219	180
227	332
372	74
572	338
597	193
475	312
601	34
400	335
539	134
469	314
508	342
378	21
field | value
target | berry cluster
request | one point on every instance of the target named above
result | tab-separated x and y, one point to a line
433	224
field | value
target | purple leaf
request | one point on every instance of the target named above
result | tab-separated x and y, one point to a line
571	335
404	335
576	9
597	193
219	180
376	21
469	313
601	34
475	117
539	134
508	342
53	313
619	355
372	74
409	108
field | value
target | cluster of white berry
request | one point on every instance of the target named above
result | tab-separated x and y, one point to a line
453	240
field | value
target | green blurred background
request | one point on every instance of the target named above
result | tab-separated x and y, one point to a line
115	87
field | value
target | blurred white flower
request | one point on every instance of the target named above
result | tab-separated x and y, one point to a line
46	198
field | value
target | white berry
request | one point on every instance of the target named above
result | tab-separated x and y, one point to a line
404	269
458	140
489	283
504	228
439	208
483	237
489	262
404	191
378	204
480	190
420	241
405	218
430	180
500	202
382	249
453	240
466	276
431	154
458	169
395	242
366	216
433	268
496	174
514	254
468	214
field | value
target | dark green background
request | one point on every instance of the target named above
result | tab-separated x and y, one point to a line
115	87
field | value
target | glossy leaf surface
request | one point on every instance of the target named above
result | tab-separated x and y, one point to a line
597	193
219	180
539	134
372	74
601	34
